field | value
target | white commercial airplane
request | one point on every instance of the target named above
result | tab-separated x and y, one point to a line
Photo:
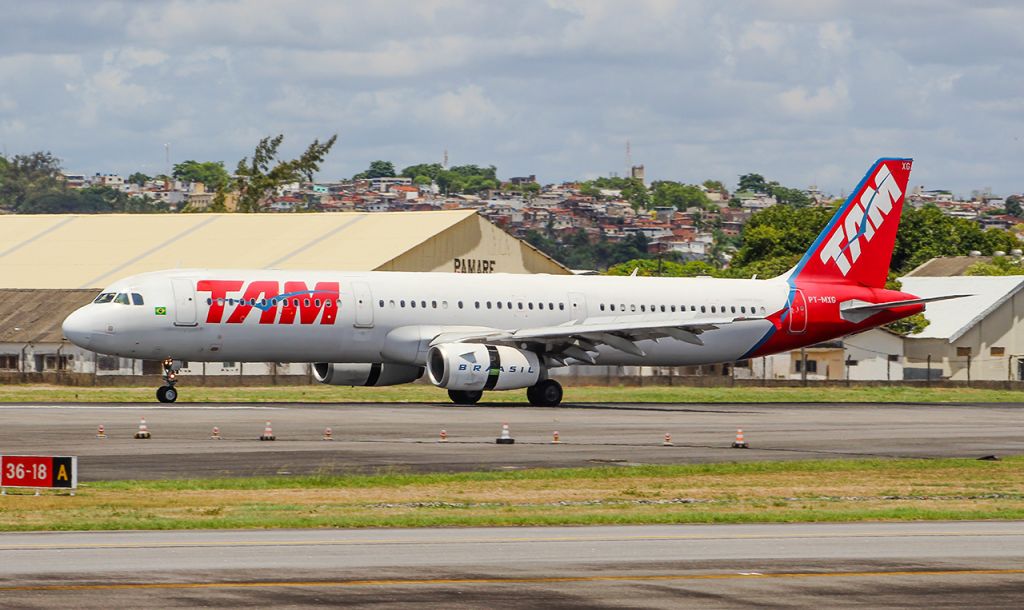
475	333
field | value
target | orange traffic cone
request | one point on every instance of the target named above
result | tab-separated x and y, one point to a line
215	435
444	437
268	433
143	432
505	438
100	432
328	434
555	439
740	442
668	440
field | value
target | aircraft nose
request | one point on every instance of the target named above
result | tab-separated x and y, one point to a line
77	328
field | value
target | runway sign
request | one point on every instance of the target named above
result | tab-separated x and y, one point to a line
39	471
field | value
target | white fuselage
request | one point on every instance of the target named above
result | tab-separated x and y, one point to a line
392	316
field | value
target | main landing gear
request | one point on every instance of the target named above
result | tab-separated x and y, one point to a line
547	393
465	397
168	393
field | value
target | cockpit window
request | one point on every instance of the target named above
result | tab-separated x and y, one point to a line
106	297
121	298
137	299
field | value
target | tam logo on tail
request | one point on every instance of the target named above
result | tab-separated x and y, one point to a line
856	245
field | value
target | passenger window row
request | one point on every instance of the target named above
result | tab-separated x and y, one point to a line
633	307
422	304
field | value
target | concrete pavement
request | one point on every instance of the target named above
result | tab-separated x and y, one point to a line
783	565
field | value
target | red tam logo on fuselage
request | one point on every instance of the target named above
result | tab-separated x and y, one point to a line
864	217
275	306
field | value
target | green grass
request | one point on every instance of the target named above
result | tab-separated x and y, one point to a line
850	490
584	394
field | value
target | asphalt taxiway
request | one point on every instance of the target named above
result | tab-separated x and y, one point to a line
976	564
372	437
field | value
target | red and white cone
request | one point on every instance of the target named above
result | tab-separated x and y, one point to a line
444	437
268	433
506	437
668	440
555	439
215	434
143	432
740	442
101	432
328	434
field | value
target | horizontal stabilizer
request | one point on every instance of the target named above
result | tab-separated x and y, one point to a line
858	311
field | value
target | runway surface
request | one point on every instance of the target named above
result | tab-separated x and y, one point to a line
370	437
980	564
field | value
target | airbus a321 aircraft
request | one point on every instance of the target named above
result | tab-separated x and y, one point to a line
476	333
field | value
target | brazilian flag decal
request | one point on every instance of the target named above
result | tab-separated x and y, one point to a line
160	311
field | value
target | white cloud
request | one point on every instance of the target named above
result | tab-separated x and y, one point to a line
799	101
701	88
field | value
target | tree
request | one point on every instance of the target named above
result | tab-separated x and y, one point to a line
652	267
926	233
29	176
1015	205
788	196
1000	265
753	182
377	169
259	177
210	173
139	178
714	185
680	196
430	170
780	231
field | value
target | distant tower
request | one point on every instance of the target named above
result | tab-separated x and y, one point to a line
637	172
445	163
629	157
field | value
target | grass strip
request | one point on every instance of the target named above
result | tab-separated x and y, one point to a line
853	490
415	393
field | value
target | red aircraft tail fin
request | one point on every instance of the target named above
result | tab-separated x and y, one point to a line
856	245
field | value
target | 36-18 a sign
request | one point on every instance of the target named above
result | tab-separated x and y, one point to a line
39	471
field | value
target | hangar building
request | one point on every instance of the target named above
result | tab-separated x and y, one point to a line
52	264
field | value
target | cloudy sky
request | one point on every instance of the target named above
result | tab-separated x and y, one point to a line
801	91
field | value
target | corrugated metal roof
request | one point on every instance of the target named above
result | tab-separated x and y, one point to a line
35	316
951	319
87	251
945	266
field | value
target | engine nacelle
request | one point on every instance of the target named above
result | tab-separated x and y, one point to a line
358	373
471	366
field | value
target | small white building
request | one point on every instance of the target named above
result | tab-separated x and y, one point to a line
977	337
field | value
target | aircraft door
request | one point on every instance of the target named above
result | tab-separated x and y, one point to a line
184	302
577	306
797	312
364	305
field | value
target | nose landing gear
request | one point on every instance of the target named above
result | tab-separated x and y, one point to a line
168	393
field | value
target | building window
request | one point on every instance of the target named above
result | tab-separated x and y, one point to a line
9	362
963	352
229	365
812	366
997	351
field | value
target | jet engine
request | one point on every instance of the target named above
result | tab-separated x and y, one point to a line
357	373
474	367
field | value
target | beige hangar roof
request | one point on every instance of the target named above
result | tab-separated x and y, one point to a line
89	251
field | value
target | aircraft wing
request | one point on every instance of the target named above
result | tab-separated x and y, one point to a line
577	340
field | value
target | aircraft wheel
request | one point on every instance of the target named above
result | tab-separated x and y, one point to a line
547	393
465	397
166	394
